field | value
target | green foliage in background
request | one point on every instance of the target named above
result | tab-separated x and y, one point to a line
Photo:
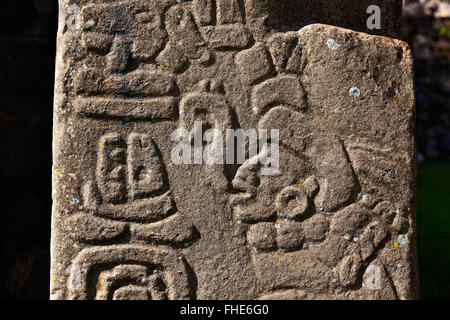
433	227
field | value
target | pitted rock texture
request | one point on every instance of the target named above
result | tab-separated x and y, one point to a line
337	221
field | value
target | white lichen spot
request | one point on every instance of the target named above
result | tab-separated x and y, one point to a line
333	45
347	237
355	92
402	240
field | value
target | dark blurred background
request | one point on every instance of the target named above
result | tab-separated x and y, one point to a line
27	54
427	29
27	58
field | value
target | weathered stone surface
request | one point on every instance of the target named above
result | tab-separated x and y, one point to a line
337	221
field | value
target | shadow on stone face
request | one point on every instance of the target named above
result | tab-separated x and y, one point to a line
291	15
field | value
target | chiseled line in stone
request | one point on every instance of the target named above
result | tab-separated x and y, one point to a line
154	109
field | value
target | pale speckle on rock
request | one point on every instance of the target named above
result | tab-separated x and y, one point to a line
355	92
332	44
402	240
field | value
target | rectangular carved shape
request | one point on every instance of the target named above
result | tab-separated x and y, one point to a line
142	211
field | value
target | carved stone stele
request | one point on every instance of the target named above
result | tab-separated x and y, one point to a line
336	221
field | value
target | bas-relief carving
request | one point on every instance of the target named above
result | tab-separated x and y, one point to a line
311	223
